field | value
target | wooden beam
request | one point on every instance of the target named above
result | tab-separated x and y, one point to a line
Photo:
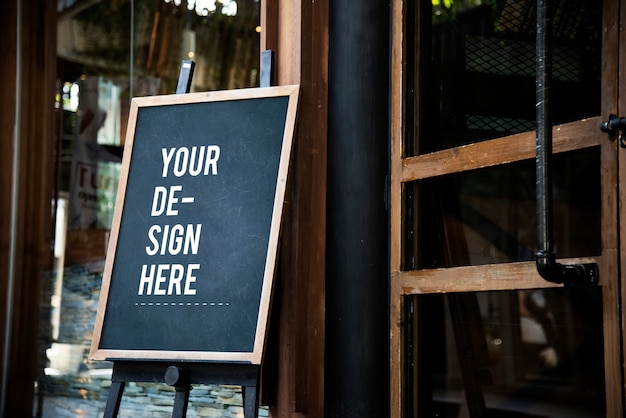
33	224
293	375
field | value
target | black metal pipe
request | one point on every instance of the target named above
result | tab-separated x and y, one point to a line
357	327
548	268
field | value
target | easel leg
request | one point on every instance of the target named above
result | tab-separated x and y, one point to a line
114	400
250	394
181	399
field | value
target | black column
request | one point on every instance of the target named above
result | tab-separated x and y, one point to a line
357	336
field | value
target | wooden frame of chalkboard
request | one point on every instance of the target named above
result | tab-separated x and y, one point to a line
192	251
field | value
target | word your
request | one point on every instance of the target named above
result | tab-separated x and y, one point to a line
200	160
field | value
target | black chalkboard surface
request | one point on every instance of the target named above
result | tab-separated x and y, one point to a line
192	252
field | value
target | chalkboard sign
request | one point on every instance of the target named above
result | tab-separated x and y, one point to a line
192	251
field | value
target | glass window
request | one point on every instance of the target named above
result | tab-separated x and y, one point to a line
482	334
109	52
518	353
489	216
478	81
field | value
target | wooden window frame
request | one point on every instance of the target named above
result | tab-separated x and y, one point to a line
521	275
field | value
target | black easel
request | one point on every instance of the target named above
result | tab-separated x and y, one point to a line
267	58
181	375
185	77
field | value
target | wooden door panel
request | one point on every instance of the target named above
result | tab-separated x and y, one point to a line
411	167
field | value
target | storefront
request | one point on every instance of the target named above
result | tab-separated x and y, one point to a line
407	284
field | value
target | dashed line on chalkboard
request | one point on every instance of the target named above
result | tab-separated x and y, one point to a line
182	304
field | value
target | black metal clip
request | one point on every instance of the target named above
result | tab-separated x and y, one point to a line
615	127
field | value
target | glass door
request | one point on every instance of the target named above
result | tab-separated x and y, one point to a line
475	330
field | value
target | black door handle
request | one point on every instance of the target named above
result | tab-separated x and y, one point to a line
614	127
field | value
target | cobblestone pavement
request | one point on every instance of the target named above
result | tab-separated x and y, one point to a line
62	407
58	407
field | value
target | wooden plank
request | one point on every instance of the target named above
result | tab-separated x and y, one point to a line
288	42
395	206
614	99
499	151
311	208
612	43
507	276
293	376
609	280
278	379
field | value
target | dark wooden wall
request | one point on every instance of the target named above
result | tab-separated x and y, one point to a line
7	118
33	107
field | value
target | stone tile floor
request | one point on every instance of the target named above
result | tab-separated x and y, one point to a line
64	407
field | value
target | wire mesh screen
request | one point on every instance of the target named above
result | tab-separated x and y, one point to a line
510	52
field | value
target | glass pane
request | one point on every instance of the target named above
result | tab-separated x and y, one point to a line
477	77
489	216
97	41
520	353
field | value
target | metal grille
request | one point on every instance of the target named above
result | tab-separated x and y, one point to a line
507	57
496	124
520	16
499	56
510	52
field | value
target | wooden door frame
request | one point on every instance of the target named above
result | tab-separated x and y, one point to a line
514	275
292	381
618	47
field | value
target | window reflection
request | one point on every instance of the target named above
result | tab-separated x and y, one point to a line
224	43
489	216
109	52
522	353
477	79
